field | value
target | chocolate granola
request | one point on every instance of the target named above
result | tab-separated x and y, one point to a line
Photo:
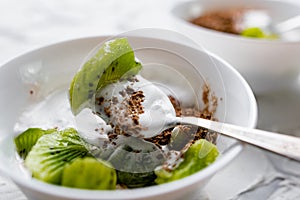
227	20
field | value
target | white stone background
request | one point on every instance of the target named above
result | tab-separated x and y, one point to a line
25	25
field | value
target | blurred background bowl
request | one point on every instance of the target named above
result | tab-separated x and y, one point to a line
266	64
32	77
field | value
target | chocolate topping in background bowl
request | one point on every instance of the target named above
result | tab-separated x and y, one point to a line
224	20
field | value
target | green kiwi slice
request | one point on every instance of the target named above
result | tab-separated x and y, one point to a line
52	152
135	161
89	173
114	60
26	140
200	154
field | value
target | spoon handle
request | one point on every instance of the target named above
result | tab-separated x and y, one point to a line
285	145
288	25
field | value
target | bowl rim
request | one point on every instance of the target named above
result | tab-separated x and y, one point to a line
151	191
228	35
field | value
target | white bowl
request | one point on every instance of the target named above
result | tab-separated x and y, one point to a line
51	68
266	65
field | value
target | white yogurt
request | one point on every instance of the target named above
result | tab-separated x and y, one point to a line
157	107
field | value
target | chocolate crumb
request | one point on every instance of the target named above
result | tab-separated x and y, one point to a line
176	105
135	119
129	90
115	100
131	79
107	111
99	101
122	93
161	139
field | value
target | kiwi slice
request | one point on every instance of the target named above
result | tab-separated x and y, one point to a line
200	154
114	60
26	140
52	152
135	161
89	173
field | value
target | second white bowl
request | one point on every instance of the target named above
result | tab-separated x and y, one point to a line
266	65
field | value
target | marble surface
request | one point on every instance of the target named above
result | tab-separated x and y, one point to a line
255	174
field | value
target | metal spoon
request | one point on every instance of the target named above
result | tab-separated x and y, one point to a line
286	25
159	114
259	18
285	145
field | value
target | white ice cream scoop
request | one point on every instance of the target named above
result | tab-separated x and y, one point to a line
136	107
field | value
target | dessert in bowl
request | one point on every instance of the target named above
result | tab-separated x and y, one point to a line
267	64
39	83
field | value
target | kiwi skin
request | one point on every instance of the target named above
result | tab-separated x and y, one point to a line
89	173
